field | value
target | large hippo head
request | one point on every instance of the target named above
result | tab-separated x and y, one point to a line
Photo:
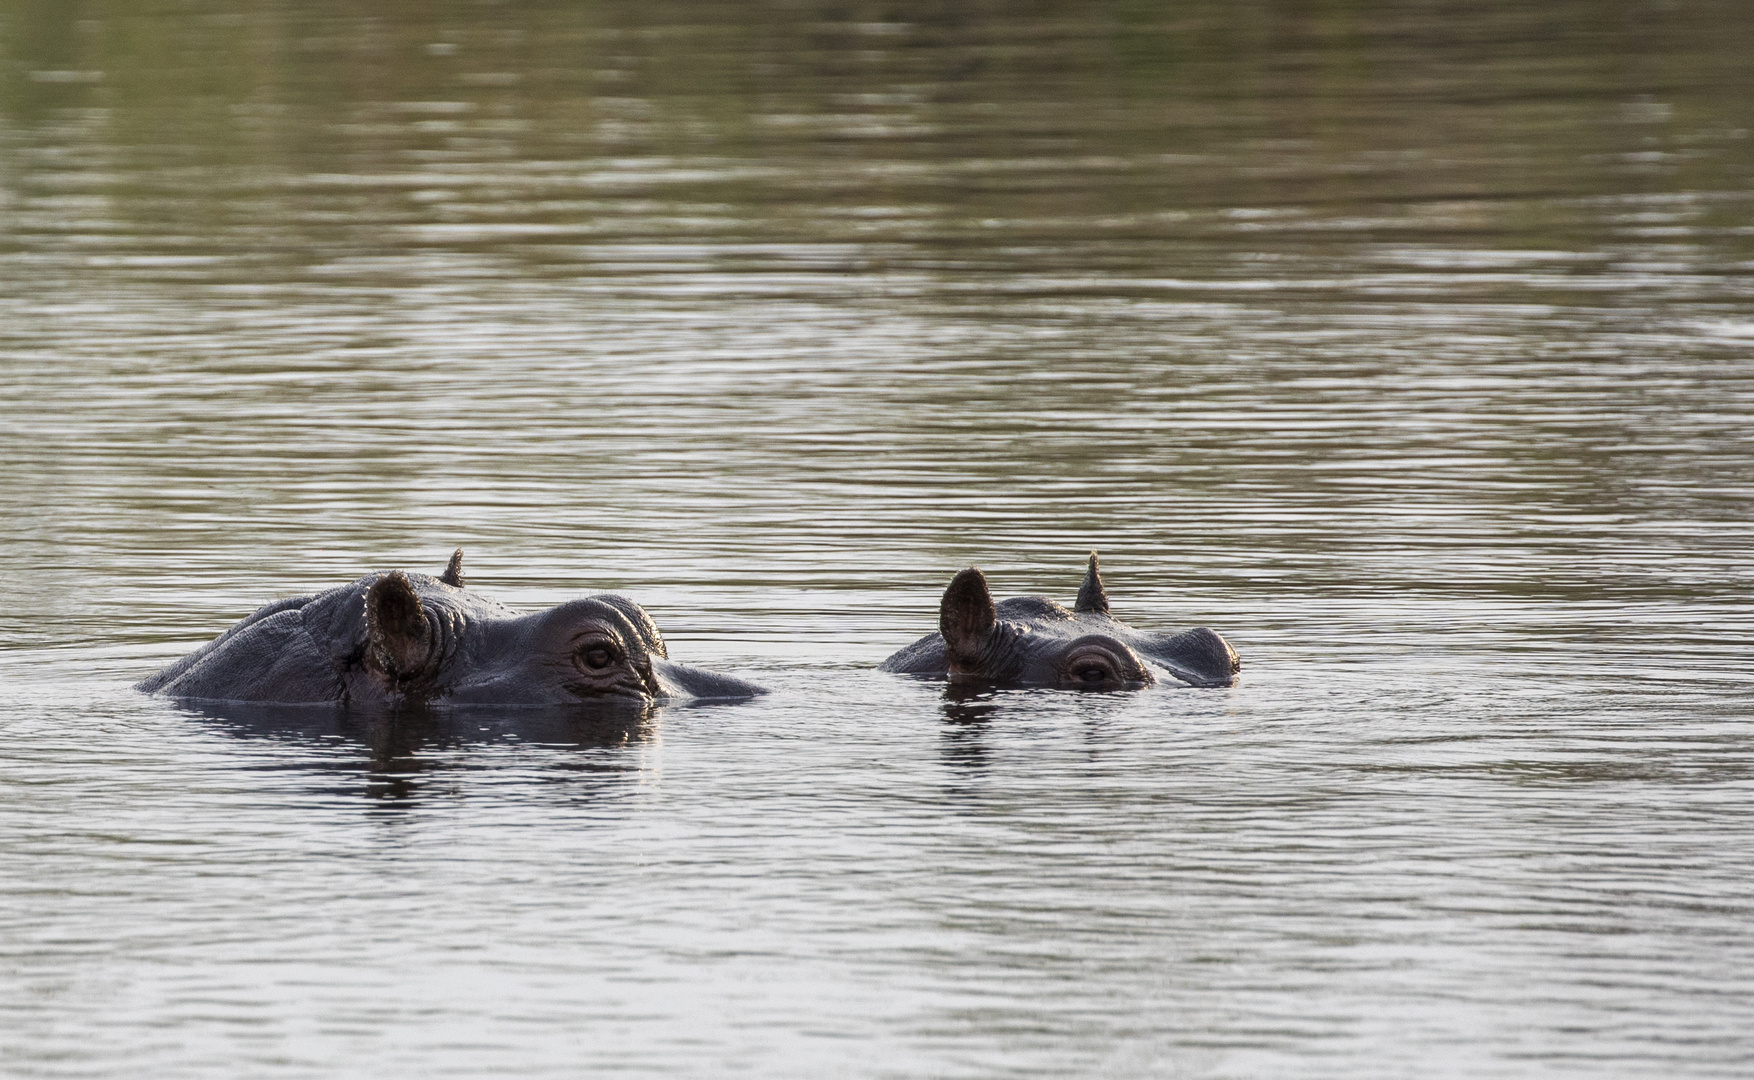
393	637
1032	641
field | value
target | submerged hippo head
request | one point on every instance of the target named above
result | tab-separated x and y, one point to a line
394	637
1032	641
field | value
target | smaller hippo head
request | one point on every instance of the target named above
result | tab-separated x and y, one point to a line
1032	641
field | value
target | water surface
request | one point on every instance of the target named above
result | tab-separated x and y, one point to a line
1410	349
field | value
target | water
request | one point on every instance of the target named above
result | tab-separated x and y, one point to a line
1409	349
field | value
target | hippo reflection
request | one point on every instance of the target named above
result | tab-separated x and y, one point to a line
399	638
395	756
1032	641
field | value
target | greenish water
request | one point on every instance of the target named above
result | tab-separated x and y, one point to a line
1408	345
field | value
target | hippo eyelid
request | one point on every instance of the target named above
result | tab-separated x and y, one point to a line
1095	646
1091	658
595	631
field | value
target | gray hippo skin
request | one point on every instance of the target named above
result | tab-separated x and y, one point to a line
395	638
1032	641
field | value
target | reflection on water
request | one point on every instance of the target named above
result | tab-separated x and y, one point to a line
399	745
967	712
1406	345
967	705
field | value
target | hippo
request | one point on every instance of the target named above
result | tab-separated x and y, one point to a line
1032	641
395	639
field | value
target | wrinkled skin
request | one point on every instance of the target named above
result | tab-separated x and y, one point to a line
1032	641
395	638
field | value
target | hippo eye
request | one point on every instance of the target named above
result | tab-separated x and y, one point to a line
597	657
1099	663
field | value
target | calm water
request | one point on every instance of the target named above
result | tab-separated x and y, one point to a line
1413	349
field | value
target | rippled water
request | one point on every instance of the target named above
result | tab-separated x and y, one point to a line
1410	349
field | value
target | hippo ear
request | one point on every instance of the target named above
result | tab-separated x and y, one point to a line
453	574
1091	598
397	631
967	615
